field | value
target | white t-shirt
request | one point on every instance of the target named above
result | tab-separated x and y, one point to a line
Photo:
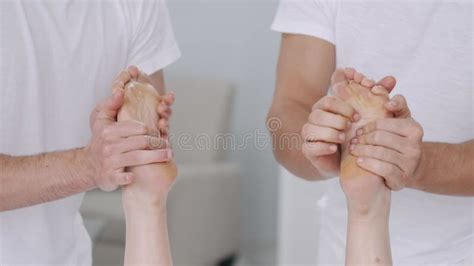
57	60
428	46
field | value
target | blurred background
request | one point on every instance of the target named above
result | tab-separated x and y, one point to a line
223	210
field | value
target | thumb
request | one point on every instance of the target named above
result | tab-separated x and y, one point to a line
108	109
398	105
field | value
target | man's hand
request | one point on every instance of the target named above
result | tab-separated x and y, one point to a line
116	145
391	147
329	119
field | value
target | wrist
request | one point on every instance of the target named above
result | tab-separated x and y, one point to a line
416	180
85	167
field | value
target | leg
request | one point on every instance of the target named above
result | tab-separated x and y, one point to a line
144	201
367	196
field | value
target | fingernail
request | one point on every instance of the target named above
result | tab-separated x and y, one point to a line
128	178
351	147
392	103
360	160
333	148
342	136
359	132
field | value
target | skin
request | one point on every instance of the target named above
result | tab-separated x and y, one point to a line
368	199
303	75
30	180
144	201
303	107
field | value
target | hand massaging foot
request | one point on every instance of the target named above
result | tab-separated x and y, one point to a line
144	201
140	104
370	107
368	198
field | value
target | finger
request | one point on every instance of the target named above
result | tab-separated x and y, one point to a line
388	83
163	124
366	82
143	142
377	152
383	138
401	127
349	72
108	108
124	129
398	105
391	173
122	178
336	106
313	133
316	149
169	98
136	158
163	127
164	111
326	119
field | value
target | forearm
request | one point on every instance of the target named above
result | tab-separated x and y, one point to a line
285	129
147	240
30	180
446	169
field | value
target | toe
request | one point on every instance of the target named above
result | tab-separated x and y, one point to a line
339	83
134	71
388	83
350	72
143	77
339	79
358	77
369	83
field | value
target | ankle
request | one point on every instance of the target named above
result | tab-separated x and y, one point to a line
374	206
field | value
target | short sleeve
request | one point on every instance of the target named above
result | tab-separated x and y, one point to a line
315	18
153	45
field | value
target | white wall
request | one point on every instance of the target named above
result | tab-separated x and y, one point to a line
231	40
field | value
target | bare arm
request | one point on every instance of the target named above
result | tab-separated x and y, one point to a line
30	180
303	75
441	168
446	169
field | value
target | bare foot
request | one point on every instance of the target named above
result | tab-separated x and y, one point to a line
368	198
141	103
369	106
